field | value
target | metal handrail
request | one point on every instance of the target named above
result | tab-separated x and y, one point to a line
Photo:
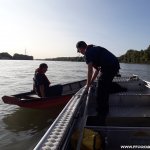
55	134
83	123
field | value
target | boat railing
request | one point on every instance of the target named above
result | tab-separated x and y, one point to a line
58	131
147	84
83	122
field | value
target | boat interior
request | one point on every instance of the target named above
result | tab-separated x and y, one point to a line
67	88
131	101
129	114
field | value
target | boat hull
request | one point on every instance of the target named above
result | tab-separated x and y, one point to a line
38	103
31	100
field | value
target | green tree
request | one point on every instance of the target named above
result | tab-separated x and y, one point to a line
5	55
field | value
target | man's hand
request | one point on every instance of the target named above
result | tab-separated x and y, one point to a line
87	87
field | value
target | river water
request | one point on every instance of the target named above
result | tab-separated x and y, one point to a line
22	128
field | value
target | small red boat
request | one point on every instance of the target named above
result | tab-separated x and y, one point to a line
31	100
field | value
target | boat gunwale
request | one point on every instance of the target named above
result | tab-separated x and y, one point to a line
60	118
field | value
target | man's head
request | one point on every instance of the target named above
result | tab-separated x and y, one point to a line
81	47
43	67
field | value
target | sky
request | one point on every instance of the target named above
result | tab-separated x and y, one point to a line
51	28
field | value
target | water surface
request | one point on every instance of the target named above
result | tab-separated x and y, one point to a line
22	128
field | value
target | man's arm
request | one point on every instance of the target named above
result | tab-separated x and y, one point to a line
41	87
89	75
94	75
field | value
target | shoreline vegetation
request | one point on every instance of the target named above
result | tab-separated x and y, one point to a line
16	56
135	56
131	56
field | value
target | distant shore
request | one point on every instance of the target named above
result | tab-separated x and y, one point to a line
131	56
7	56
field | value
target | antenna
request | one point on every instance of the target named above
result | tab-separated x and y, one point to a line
25	51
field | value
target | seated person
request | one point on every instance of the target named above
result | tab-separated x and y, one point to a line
42	84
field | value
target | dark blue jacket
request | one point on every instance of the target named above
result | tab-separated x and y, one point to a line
101	57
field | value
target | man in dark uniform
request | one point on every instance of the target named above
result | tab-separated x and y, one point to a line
104	61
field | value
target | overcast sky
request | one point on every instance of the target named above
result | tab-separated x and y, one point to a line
51	28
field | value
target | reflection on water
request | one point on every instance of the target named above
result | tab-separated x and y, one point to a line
30	119
26	127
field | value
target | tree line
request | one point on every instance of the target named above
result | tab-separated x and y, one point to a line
80	59
16	56
134	56
131	56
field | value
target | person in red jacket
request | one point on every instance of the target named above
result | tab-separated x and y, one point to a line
42	83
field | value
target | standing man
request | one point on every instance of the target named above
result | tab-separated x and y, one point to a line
104	61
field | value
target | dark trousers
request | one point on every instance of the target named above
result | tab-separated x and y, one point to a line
103	89
55	90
